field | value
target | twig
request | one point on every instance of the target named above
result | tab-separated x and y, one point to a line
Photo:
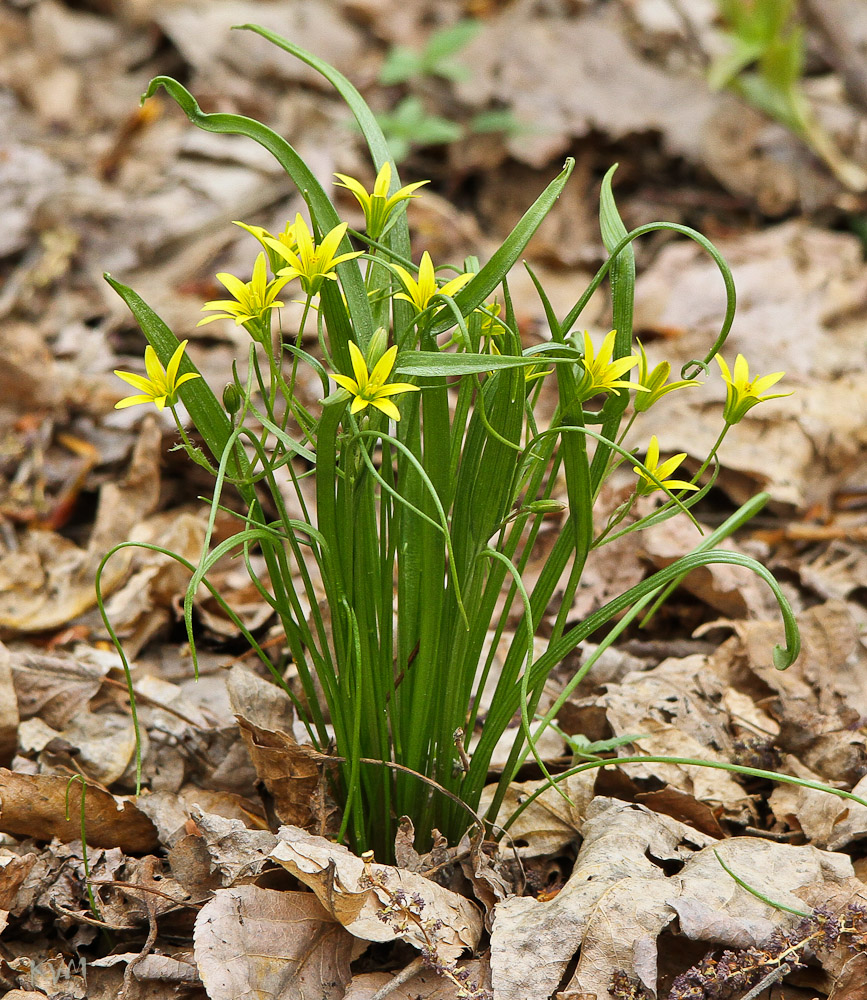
774	976
404	976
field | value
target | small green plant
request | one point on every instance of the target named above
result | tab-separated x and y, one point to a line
410	123
765	65
432	474
436	59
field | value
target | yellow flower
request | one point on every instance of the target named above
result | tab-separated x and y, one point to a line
741	393
378	204
420	292
287	238
254	299
656	382
646	485
162	384
601	374
371	389
312	263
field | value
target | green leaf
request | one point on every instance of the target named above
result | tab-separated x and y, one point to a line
472	295
423	363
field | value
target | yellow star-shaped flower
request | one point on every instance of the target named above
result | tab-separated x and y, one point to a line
370	389
312	263
253	301
161	385
601	374
378	204
741	393
662	471
420	292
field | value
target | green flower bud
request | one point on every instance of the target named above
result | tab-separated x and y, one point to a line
231	399
376	347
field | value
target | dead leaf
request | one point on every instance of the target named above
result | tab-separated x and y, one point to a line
532	943
252	942
425	985
34	805
337	877
59	584
578	54
293	773
9	718
550	822
827	821
56	687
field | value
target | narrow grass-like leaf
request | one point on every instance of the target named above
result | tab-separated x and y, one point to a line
322	211
473	294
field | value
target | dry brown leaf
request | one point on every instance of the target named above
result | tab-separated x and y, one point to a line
730	590
252	942
9	718
148	601
827	821
550	822
105	743
293	773
532	943
34	805
619	899
56	687
425	985
50	580
337	877
258	700
578	54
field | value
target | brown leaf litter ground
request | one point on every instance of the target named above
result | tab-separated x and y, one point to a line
215	882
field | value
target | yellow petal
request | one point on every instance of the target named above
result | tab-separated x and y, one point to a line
138	381
359	366
387	407
174	362
742	370
383	367
131	401
347	383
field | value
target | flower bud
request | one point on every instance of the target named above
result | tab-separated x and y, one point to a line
231	399
376	347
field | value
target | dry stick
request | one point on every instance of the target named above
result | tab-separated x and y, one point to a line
772	977
828	18
416	965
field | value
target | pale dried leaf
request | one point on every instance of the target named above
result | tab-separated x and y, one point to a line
61	584
252	942
337	877
9	719
532	943
827	820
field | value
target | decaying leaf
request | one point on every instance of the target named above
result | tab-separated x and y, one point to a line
34	805
252	942
50	580
619	899
293	773
338	878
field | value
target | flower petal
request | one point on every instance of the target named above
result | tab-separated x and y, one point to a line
132	401
387	407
